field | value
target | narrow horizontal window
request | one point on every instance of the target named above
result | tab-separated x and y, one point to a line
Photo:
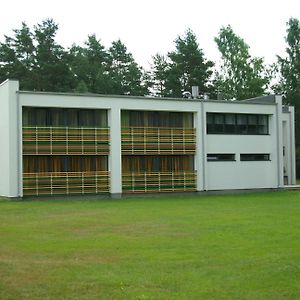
255	157
220	157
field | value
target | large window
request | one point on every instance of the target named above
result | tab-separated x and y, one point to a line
66	117
229	123
131	118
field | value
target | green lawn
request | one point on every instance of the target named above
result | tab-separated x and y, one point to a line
206	247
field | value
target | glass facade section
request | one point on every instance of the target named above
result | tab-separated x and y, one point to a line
230	123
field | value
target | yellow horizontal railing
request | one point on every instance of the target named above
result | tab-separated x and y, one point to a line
65	140
65	183
158	140
142	182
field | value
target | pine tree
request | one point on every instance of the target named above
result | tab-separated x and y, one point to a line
89	64
126	75
241	76
188	66
35	59
51	67
158	75
17	57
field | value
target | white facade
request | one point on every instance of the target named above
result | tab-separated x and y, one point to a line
247	174
211	175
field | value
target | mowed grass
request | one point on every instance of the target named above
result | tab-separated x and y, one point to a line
189	247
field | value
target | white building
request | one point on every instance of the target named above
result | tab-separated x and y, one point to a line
59	143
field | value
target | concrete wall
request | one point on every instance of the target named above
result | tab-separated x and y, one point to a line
210	175
115	157
242	174
107	102
288	134
114	105
9	139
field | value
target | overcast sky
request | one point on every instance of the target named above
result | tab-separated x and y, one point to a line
150	26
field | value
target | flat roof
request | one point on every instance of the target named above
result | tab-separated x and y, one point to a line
263	100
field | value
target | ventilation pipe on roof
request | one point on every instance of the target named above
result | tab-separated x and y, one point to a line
206	97
195	91
220	95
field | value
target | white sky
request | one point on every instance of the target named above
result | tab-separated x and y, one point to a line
150	26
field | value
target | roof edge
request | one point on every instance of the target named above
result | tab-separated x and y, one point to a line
150	98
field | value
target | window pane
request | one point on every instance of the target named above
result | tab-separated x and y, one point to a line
263	120
263	124
252	119
241	119
219	119
210	118
230	126
242	127
72	119
56	118
252	124
41	118
229	119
